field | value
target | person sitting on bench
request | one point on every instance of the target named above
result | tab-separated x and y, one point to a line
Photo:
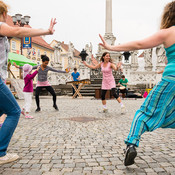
123	82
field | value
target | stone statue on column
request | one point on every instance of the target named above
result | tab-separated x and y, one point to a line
134	60
148	59
57	52
88	49
71	51
161	57
109	37
57	56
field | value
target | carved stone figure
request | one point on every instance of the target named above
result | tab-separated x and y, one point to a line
88	49
71	51
57	52
160	52
134	58
148	59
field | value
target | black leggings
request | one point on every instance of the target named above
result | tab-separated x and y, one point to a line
49	89
103	93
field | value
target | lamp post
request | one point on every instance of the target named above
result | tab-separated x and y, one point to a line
20	21
126	55
83	55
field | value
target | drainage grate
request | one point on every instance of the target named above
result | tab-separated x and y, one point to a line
82	119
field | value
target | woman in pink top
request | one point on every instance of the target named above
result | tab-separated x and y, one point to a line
28	88
108	82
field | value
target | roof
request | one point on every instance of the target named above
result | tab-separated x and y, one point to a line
37	39
66	47
141	55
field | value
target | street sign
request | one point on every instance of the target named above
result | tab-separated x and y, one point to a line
27	42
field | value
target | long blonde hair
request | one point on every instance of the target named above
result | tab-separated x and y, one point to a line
168	16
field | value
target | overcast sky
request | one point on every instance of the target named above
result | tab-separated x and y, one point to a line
80	21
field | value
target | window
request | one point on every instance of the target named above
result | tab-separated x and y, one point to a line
33	51
13	45
39	54
45	53
28	52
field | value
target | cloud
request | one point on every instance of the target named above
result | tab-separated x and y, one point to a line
80	21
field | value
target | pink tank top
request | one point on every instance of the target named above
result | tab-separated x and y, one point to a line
108	81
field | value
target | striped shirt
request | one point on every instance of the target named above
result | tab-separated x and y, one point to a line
42	74
4	49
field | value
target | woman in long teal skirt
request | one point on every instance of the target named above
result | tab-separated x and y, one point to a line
158	109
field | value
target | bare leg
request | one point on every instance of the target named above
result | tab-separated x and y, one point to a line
119	99
104	102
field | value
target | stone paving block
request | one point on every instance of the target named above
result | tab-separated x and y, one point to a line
57	144
92	164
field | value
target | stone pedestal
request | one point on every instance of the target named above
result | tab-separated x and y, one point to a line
148	68
134	67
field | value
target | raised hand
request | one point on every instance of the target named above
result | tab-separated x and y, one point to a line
104	43
52	24
15	65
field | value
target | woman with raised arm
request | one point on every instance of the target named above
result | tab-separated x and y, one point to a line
157	111
42	81
9	106
108	82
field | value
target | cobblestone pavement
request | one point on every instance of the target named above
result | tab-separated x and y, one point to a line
53	143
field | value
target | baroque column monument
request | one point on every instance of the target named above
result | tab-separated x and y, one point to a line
109	37
132	70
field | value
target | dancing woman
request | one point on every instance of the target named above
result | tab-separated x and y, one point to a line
42	81
108	82
9	106
158	109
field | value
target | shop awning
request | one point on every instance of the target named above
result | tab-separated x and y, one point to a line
20	60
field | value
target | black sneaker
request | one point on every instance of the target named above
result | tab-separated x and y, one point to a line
37	110
130	154
56	107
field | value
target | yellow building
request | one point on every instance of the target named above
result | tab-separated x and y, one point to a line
39	47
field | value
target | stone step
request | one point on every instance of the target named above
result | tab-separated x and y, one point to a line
87	90
93	85
83	94
92	88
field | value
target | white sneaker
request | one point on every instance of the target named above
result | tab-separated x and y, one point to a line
8	158
123	109
105	110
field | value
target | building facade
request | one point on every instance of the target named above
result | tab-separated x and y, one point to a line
39	47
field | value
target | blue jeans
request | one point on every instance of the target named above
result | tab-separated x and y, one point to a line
10	107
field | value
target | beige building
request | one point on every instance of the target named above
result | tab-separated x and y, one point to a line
65	55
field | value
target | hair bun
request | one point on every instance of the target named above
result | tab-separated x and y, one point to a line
42	56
